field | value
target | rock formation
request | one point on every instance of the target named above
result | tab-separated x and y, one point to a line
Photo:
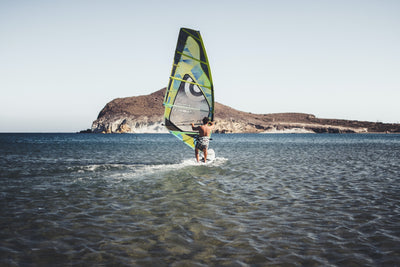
132	115
144	114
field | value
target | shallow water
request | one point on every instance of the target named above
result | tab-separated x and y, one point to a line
141	200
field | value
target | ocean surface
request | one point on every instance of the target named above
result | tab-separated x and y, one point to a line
142	200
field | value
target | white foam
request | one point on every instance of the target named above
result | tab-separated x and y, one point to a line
186	163
139	170
168	167
290	130
150	128
162	168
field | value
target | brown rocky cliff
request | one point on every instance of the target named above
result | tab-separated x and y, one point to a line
145	114
135	106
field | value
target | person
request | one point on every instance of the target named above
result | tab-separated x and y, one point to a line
204	137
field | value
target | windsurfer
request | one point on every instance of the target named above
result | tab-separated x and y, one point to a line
204	137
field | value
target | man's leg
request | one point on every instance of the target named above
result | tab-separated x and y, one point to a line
196	151
205	154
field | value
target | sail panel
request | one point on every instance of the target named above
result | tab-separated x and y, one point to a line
190	95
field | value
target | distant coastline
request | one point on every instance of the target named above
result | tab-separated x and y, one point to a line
144	114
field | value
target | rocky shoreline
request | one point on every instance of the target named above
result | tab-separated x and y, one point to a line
144	114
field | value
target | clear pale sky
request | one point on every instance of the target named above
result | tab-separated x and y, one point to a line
62	61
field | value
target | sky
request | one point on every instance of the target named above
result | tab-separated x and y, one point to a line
62	61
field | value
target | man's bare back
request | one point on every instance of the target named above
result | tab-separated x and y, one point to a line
204	130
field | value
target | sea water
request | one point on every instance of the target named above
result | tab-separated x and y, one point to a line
142	200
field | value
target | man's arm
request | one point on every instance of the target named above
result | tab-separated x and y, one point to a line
195	128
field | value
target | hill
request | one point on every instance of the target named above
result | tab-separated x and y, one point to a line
144	114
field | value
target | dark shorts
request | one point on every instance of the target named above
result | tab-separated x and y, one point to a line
202	142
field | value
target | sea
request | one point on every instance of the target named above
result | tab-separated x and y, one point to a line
142	200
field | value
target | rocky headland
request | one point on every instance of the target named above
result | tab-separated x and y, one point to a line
144	114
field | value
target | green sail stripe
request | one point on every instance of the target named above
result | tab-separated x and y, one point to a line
191	133
195	59
178	79
195	37
183	107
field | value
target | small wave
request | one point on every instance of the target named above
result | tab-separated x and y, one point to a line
139	168
101	167
185	163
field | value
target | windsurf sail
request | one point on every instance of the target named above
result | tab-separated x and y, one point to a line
190	93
